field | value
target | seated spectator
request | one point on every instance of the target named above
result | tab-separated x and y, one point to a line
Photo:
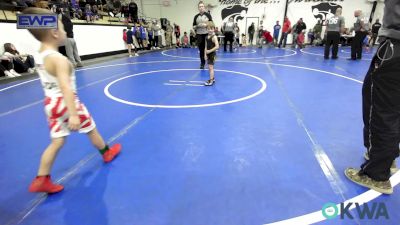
95	12
88	13
22	62
76	10
23	3
7	67
244	40
185	40
311	36
91	2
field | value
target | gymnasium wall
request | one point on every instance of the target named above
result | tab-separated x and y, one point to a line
91	39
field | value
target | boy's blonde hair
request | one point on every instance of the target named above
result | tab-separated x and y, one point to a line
39	34
210	25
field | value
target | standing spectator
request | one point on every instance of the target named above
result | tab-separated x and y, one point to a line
334	27
22	62
200	26
277	29
318	30
150	33
375	30
177	31
285	31
237	34
168	34
70	44
157	34
359	28
144	34
251	30
129	42
381	106
228	29
260	36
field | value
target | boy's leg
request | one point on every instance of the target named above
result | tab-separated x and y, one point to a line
211	69
108	153
49	156
130	49
43	183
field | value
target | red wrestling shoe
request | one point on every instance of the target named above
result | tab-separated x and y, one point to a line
44	184
111	153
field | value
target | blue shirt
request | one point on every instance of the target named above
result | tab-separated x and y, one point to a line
277	28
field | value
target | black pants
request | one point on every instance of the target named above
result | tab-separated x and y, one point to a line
22	66
283	39
373	39
381	113
201	43
192	41
5	65
228	38
356	45
155	41
333	38
251	37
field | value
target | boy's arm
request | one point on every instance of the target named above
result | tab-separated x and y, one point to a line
61	68
205	50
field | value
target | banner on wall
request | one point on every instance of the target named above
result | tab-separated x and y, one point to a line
238	9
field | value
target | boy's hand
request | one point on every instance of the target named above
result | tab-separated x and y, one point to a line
205	57
73	122
208	51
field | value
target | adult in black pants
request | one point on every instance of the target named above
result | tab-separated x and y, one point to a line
228	30
356	45
334	26
381	107
200	26
251	32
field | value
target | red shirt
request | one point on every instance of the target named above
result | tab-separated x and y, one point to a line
286	26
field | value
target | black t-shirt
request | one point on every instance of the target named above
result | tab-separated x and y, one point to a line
68	26
210	42
376	27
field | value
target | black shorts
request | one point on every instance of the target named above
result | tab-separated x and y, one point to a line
129	41
211	58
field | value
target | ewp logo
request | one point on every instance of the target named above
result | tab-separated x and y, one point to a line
377	211
35	21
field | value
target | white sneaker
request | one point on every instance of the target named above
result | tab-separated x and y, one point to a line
15	73
8	74
130	56
30	70
136	54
